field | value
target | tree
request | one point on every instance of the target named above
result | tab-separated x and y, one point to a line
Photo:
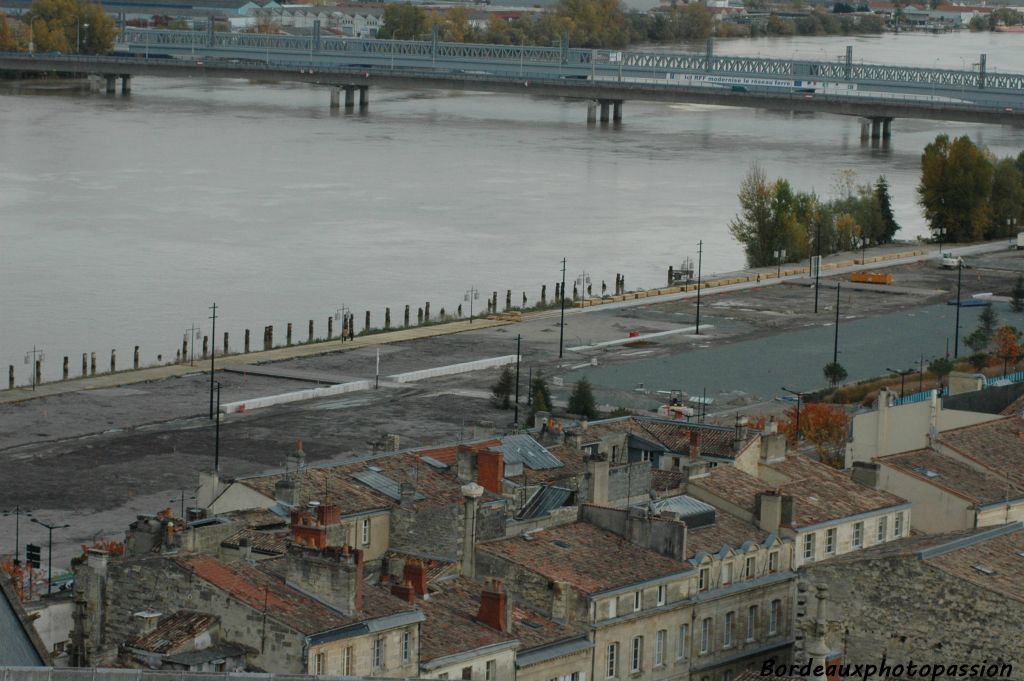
941	367
834	373
404	22
956	182
767	221
59	26
1007	199
977	341
884	201
581	401
978	360
8	42
594	23
988	320
540	393
1007	346
698	22
502	390
826	427
1017	296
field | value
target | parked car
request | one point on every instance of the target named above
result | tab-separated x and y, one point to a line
951	262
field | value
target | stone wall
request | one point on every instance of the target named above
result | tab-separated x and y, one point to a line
629	483
434	532
904	608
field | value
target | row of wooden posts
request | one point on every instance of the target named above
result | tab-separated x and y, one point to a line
347	331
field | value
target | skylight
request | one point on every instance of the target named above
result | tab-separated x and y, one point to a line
984	569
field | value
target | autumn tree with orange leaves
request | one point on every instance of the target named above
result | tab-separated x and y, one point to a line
20	575
1007	345
823	425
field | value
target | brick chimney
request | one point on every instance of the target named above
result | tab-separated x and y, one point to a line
415	575
405	592
490	470
494	610
694	445
333	574
769	510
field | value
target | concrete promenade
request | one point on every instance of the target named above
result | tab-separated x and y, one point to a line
838	264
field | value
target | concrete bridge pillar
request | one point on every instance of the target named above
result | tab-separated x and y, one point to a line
617	110
886	130
350	97
111	84
865	128
876	128
364	96
335	98
591	112
604	110
126	84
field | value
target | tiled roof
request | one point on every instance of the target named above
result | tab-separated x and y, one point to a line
996	564
666	481
335	484
450	455
588	558
267	543
727	530
451	627
946	472
821	493
673	435
436	569
996	445
258	588
571	468
461	596
174	631
257	518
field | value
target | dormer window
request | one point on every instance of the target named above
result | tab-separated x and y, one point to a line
638	601
703	579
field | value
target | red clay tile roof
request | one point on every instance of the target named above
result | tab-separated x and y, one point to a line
257	589
996	445
955	476
451	626
450	455
175	631
821	493
257	518
1003	555
267	543
587	557
727	530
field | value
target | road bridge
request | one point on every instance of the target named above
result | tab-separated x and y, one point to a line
605	79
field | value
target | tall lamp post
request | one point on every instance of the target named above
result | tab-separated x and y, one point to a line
471	295
49	552
213	352
941	231
959	281
799	397
561	324
700	257
519	340
17	512
903	377
216	434
817	267
779	255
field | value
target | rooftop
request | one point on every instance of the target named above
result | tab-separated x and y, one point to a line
995	445
600	560
259	589
672	435
727	531
947	473
267	543
175	631
996	564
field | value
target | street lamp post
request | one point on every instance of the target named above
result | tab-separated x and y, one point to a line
700	257
817	268
341	314
941	231
799	397
779	255
216	434
49	552
515	418
34	355
213	352
835	344
903	377
956	333
17	512
561	324
471	295
863	247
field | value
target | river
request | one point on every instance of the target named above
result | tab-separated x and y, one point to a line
123	219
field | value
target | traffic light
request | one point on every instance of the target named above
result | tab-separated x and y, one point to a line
32	556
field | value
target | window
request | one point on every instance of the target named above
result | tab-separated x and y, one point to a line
662	594
319	663
830	541
346	661
751	567
727	630
726	574
638	601
773	617
467	673
636	658
681	643
897	526
883	528
405	646
773	562
645	456
613	608
858	535
613	660
489	670
366	531
752	623
705	635
702	583
378	652
659	648
809	546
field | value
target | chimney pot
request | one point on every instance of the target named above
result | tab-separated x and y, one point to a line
494	606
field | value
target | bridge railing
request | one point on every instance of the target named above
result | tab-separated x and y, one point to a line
669	62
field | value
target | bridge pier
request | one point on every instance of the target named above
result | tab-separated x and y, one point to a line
591	112
604	110
364	96
886	131
617	110
350	97
335	98
126	84
865	128
111	84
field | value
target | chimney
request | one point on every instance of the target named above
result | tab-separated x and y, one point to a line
466	464
244	549
773	446
407	495
595	469
284	492
739	437
562	603
490	470
415	575
328	514
334	575
404	591
148	621
817	649
866	473
494	610
788	509
470	493
769	511
694	445
97	559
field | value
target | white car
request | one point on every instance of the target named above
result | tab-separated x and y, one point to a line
951	262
